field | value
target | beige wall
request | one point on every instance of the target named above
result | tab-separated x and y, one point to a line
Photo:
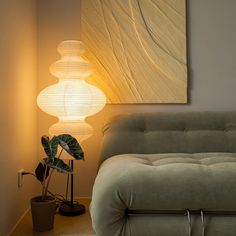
18	109
212	73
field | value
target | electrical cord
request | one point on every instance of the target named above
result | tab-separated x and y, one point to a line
60	200
58	197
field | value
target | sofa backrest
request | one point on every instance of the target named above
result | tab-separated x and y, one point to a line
183	132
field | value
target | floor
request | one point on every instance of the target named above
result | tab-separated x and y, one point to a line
63	226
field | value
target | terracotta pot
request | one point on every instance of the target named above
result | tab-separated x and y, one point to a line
43	213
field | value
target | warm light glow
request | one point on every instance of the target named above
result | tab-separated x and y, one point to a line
79	129
72	99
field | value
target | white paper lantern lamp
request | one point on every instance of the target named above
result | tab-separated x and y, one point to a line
72	99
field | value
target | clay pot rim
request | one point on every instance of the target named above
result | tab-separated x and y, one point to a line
37	200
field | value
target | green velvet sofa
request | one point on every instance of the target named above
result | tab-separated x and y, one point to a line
167	174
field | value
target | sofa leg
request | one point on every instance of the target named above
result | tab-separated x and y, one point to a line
203	222
189	222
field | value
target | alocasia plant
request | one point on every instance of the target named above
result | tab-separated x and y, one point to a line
52	160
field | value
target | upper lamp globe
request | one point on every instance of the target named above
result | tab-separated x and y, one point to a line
71	99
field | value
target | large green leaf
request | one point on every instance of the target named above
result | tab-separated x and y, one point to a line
46	145
50	146
70	145
40	172
59	165
54	145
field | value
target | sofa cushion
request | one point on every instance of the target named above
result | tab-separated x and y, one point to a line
168	181
183	132
141	183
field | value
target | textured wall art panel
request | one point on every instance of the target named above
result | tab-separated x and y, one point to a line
137	48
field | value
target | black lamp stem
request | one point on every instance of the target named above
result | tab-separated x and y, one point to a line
72	184
71	208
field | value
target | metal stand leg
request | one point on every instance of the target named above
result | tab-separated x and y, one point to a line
71	208
203	223
189	222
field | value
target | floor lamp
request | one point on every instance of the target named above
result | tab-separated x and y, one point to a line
71	99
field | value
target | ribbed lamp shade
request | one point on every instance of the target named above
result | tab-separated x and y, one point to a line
72	99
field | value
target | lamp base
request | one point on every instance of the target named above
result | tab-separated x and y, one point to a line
66	209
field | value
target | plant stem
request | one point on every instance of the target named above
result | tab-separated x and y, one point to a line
60	154
46	188
44	181
49	178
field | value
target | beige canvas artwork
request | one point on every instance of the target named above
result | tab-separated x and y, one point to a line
137	49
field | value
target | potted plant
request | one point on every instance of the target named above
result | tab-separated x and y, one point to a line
43	207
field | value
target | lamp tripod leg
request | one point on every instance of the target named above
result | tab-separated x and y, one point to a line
71	208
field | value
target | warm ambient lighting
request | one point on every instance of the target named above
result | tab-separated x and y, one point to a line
72	99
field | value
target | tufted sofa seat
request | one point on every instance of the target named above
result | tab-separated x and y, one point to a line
166	162
170	181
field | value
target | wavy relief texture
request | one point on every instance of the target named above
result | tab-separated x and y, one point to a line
138	49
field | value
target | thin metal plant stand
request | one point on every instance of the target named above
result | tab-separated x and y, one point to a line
72	207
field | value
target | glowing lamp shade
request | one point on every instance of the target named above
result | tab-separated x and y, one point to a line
72	99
